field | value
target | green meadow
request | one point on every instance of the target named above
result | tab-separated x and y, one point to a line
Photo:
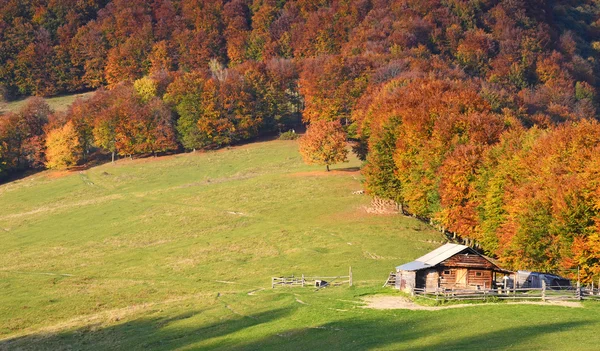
58	103
177	252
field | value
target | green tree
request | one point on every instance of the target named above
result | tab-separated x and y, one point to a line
184	95
105	135
380	168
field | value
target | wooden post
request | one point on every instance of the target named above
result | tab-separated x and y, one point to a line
350	275
302	280
543	289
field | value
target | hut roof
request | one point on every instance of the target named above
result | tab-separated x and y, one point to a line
435	257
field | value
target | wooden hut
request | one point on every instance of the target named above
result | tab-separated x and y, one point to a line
450	267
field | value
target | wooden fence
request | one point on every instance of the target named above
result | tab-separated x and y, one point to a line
312	281
546	293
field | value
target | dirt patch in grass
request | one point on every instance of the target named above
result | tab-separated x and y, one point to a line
45	209
334	172
403	303
359	212
142	159
58	174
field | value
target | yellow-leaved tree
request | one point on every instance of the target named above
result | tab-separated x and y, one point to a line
324	143
62	147
146	88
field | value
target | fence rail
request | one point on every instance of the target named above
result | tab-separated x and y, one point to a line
312	281
546	293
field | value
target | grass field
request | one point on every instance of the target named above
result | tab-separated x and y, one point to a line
177	253
58	103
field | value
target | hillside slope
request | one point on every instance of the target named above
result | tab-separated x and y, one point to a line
177	253
57	104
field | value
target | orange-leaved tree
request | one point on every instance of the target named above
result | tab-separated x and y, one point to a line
62	147
324	144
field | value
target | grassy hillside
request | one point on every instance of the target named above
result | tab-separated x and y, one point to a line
177	253
58	104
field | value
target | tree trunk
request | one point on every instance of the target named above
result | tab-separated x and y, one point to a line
113	157
327	168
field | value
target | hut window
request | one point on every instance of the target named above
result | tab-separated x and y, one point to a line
478	274
446	272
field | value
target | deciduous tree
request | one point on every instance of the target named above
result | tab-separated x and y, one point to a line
324	144
62	147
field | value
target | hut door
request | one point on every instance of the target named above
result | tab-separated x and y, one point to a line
461	276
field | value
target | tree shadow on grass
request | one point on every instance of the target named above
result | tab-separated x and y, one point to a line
360	335
346	169
18	175
368	333
157	333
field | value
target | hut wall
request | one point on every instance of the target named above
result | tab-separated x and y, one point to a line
467	261
447	278
406	280
480	278
427	279
421	279
475	278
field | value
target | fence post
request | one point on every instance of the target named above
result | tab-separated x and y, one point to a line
543	289
350	274
302	280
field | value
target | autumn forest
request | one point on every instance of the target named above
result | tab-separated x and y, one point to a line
479	116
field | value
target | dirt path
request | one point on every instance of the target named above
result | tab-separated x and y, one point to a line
59	207
399	302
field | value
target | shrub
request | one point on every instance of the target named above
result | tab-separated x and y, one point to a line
289	135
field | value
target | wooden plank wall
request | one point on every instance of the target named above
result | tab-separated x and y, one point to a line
480	278
448	280
467	261
407	280
475	277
